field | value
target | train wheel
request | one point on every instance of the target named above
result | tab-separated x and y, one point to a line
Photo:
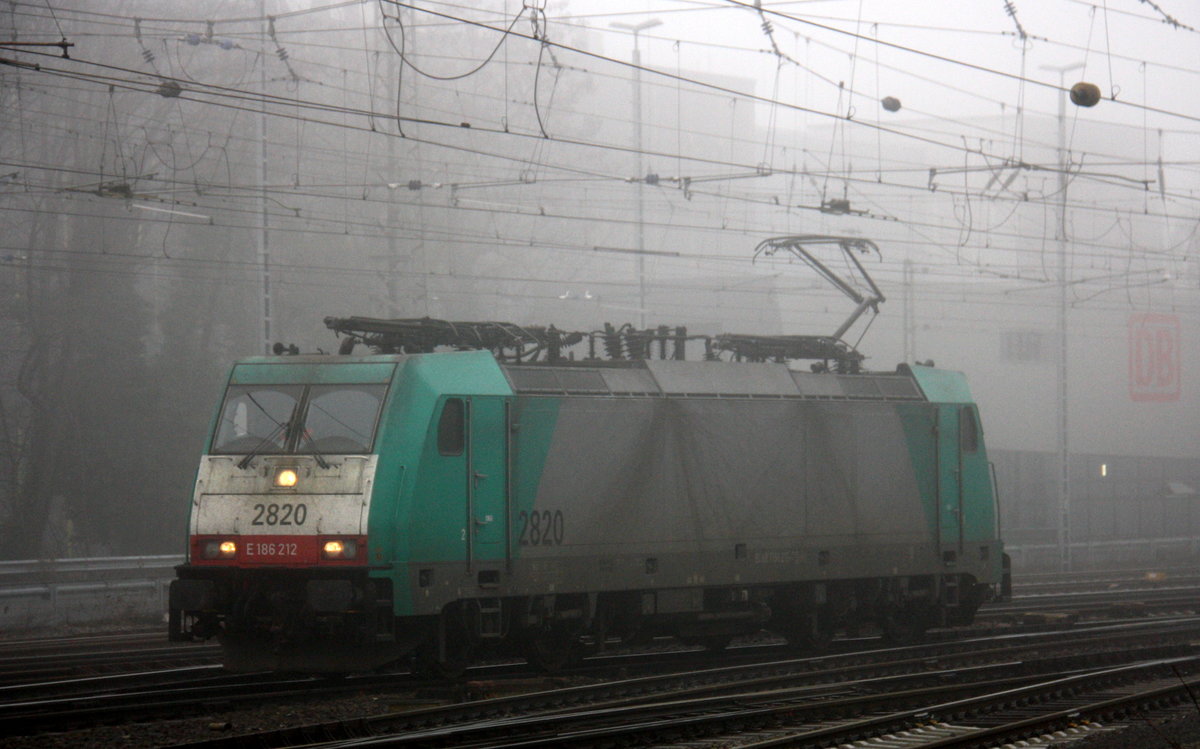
428	663
713	643
813	636
175	631
449	659
552	650
905	624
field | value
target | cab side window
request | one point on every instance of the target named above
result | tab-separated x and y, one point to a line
968	430
452	427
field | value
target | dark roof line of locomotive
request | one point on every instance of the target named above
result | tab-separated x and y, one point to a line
673	379
534	344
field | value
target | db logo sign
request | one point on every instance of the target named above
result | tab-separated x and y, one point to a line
1154	357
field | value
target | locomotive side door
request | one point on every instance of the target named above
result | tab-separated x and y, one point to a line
949	480
487	479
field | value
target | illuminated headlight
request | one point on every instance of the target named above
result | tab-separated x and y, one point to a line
285	477
219	550
340	549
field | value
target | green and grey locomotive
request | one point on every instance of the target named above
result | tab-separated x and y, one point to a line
353	510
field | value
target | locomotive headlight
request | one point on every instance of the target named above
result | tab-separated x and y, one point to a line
219	550
340	549
285	477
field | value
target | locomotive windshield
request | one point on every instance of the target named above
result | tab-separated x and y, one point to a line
303	419
341	418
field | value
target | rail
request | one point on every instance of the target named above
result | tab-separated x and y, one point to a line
1105	554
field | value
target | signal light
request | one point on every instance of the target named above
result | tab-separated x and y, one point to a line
219	550
340	549
286	477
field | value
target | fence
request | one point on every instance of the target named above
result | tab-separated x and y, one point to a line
40	594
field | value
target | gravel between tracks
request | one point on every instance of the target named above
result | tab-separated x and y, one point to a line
1178	731
220	722
217	723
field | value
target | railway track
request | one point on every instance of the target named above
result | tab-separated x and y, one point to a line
1000	713
27	661
86	695
725	701
1128	579
1098	603
39	659
34	661
82	681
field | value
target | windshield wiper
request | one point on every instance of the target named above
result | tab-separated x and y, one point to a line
306	437
244	462
280	426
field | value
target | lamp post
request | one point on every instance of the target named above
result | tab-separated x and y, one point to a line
1064	482
637	29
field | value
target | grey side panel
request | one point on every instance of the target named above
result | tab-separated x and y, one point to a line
861	476
725	378
663	475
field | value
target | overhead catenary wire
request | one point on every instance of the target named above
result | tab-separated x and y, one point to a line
542	212
733	229
747	165
132	84
726	195
954	61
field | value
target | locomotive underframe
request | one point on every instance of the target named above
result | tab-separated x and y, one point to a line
341	620
308	620
489	610
553	630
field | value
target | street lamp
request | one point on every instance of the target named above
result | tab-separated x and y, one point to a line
1064	483
637	29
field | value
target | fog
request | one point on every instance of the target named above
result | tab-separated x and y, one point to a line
182	185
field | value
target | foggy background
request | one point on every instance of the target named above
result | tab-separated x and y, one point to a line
196	182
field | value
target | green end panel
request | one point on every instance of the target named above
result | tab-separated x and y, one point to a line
942	385
418	506
284	371
918	422
459	373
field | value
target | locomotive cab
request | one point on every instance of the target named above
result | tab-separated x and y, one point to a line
278	538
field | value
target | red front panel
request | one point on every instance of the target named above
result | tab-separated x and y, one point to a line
276	550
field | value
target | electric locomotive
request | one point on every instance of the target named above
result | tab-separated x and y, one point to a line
353	510
435	505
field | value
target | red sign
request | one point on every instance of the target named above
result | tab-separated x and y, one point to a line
1154	357
297	550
